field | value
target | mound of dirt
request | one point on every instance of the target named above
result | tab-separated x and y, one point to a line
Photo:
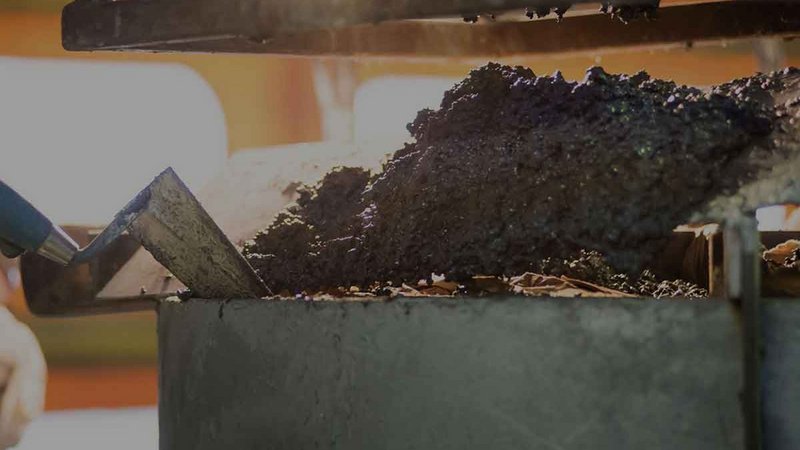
515	170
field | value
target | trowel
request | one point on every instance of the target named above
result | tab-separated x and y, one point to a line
165	218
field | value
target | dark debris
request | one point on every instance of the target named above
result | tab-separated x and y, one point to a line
514	169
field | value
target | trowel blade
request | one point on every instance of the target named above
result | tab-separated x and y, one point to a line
179	233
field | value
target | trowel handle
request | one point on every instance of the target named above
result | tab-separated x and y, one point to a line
21	225
23	228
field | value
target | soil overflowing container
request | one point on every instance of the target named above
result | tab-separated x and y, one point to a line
518	173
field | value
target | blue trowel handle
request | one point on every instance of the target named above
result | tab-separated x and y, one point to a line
22	227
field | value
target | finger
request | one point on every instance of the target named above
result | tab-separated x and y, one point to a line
31	376
23	398
10	425
22	401
14	338
8	354
29	373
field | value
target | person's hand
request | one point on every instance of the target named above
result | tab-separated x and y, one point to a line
8	282
23	375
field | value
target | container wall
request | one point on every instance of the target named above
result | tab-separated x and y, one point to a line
443	374
781	374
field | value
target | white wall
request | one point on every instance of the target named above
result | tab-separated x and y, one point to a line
384	106
79	139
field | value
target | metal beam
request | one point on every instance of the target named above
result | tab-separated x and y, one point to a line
261	26
743	273
131	23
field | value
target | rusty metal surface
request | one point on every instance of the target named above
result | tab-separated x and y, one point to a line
264	179
177	231
318	28
499	373
173	226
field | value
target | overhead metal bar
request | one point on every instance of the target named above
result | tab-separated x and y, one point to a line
374	28
676	26
108	23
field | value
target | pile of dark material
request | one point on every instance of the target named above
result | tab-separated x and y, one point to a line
515	170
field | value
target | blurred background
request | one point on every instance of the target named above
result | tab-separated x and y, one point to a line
108	122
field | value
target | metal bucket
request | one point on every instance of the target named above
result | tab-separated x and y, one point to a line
474	373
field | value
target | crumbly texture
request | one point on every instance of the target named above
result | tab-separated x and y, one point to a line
515	169
591	266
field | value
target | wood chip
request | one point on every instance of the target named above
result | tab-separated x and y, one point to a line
777	255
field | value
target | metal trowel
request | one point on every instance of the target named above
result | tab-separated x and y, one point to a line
168	221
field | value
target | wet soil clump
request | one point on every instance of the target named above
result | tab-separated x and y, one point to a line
515	170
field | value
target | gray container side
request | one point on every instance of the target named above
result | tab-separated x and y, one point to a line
491	373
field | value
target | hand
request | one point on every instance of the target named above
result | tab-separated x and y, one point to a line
23	375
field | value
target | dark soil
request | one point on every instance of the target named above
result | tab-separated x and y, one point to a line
515	171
